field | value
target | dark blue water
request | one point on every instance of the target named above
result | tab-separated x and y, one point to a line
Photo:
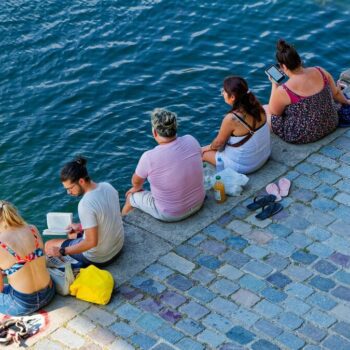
83	76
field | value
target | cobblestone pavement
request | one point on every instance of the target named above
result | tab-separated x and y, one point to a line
240	283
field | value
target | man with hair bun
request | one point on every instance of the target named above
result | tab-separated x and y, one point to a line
99	236
174	171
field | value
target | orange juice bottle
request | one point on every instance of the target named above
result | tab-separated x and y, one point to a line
219	190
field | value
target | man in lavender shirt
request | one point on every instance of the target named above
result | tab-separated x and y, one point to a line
174	171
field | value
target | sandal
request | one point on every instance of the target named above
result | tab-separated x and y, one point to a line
261	201
269	210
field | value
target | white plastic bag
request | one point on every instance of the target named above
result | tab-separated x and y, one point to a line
233	181
62	279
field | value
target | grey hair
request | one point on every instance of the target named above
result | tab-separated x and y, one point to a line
164	122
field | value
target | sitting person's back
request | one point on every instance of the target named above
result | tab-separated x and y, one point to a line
23	261
302	110
174	171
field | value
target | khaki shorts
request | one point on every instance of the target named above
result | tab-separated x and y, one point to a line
144	201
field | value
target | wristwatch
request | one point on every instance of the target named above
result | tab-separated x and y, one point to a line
62	251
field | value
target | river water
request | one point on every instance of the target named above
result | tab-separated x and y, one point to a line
81	77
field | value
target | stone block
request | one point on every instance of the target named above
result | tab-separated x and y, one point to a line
81	325
170	315
209	261
299	290
277	262
290	341
303	257
224	287
237	242
343	198
202	294
187	251
122	329
235	259
325	190
341	312
239	226
172	299
128	312
150	305
159	271
268	309
217	232
307	183
322	301
169	334
343	277
263	344
296	305
344	171
259	237
245	297
299	240
255	251
203	275
326	162
217	322
144	341
324	204
343	329
328	177
68	338
197	239
213	339
289	320
342	293
100	316
252	283
101	336
189	344
325	267
307	168
190	327
274	295
297	222
311	332
336	342
223	307
194	310
258	268
120	344
304	196
298	273
331	151
279	280
280	230
268	328
321	283
320	249
343	185
229	272
240	335
163	346
341	259
281	247
213	247
177	263
317	233
246	317
180	282
320	318
147	285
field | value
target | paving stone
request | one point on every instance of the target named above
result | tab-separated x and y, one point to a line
177	263
150	305
280	230
303	195
209	261
325	267
143	341
290	341
169	334
238	226
343	198
259	223
320	249
240	335
277	262
342	213
299	240
217	232
258	268
289	320
343	329
180	282
68	338
230	346
100	316
163	346
326	191
343	185
235	259
190	327
307	183
259	237
120	344
189	344
147	285
311	332
245	297
268	328
298	273
128	312
237	243
169	315
274	295
338	244
281	247
203	275
263	344
339	227
343	277
296	305
211	338
130	293
299	290
342	293
331	151
322	220
300	209
91	346
279	280
240	212
197	239
307	168
321	283
223	307
320	318
328	177
341	312
341	259
326	162
246	316
324	204
159	271
224	287
101	336
256	252
317	233
217	322
296	222
225	219
336	342
122	329
252	283
291	175
268	309
81	325
149	322
194	310
344	171
303	257
213	247
202	294
172	299
322	301
187	251
229	272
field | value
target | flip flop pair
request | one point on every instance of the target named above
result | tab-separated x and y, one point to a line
268	205
282	190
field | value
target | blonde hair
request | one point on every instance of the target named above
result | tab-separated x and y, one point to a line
9	215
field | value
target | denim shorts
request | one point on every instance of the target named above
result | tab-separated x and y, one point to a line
83	261
15	303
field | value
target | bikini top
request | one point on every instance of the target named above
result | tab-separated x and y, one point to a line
20	262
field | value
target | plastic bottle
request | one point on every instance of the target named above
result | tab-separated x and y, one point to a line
220	166
219	190
206	177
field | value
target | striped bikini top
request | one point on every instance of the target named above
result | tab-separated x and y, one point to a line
21	261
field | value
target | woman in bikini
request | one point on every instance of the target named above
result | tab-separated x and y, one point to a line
243	142
23	262
302	110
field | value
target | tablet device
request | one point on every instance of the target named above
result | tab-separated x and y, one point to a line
275	73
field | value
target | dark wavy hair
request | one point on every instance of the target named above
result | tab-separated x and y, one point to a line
286	54
75	170
244	99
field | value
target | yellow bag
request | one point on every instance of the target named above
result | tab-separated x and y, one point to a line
93	285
